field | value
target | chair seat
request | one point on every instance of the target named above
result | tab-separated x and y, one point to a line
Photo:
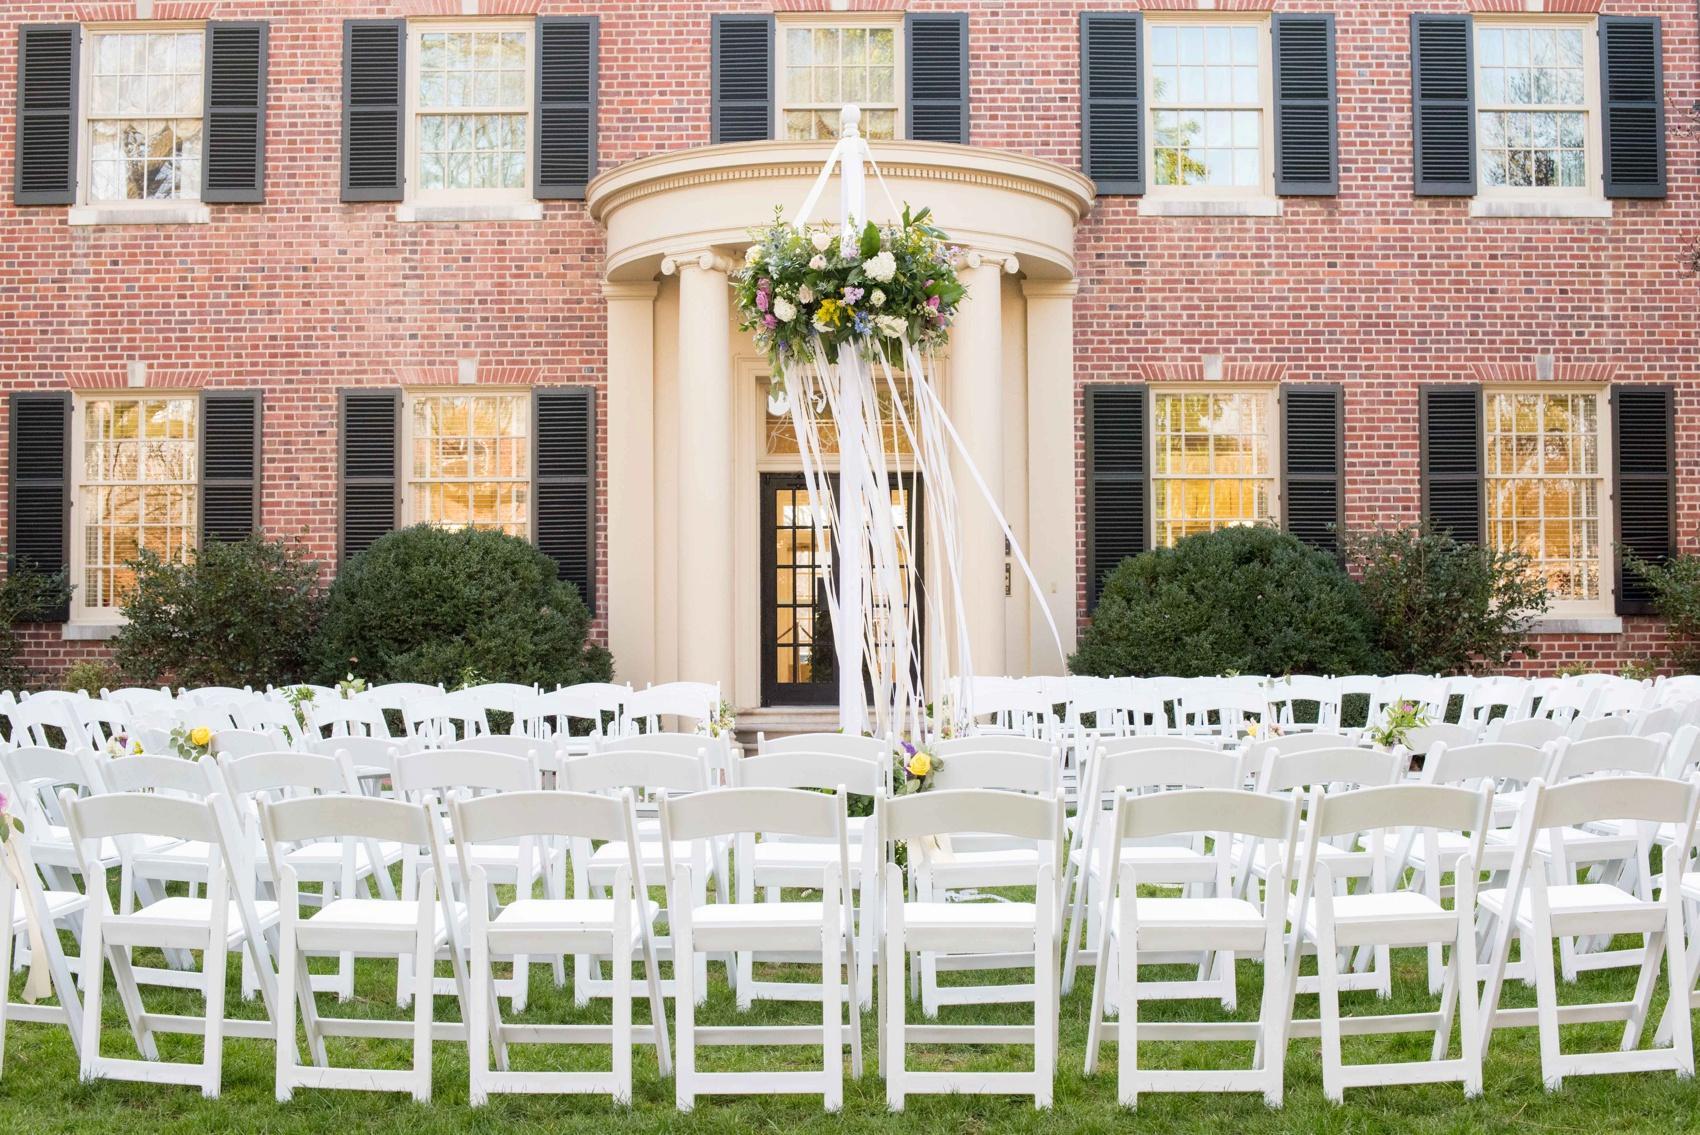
979	916
377	914
566	915
60	904
779	855
757	914
1574	900
1151	858
1222	912
179	913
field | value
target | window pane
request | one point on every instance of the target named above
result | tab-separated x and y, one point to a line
1543	486
137	490
1211	464
471	461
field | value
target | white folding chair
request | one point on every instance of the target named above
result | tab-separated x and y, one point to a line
373	758
1531	731
1288	693
777	862
620	927
1013	929
1134	925
411	929
1541	905
1388	915
435	776
652	773
228	918
575	715
31	915
824	929
1182	860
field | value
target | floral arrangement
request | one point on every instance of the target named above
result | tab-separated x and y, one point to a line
1398	722
723	721
350	685
299	698
191	743
1258	730
119	744
8	822
874	288
915	768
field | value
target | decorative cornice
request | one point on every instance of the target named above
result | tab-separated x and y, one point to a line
640	290
706	259
1006	262
1050	289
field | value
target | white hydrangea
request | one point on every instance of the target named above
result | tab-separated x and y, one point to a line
880	268
752	255
876	298
784	310
890	325
818	263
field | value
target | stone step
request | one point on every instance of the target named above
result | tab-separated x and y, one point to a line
784	721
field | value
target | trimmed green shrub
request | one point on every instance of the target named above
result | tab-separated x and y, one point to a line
25	597
1676	598
426	604
232	614
90	675
1241	600
1442	607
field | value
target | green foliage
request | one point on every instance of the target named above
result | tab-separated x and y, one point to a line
1444	607
1251	600
232	614
90	675
1676	598
25	597
429	605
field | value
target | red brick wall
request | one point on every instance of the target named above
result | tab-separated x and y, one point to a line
304	295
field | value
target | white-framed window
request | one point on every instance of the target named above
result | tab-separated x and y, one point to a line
137	469
1547	488
827	65
1209	93
469	459
1213	460
470	106
1537	107
142	121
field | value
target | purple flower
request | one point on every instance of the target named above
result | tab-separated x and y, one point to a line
908	749
933	302
3	801
852	294
770	321
761	301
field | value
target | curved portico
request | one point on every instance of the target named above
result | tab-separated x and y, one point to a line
686	440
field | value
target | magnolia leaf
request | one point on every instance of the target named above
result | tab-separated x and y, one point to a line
870	240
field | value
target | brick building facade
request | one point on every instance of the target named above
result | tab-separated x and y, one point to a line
1542	292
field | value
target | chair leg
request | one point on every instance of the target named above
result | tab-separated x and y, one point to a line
1127	976
621	950
1469	1009
894	998
1328	997
8	899
1651	954
1681	1001
478	1022
286	1058
832	996
213	963
1681	980
1045	994
684	998
1546	1000
424	981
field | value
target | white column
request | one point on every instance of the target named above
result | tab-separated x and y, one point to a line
705	466
976	407
1052	504
630	513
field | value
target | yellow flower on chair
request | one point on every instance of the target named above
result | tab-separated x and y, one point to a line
200	736
920	765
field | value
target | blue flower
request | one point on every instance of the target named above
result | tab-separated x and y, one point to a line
861	323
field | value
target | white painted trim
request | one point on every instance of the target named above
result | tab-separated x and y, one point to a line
1165	206
428	214
1257	197
1604	624
140	213
90	632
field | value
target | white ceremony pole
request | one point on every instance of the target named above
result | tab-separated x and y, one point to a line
853	492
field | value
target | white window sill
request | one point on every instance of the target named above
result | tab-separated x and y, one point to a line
1208	207
512	211
90	632
153	213
1577	624
1562	209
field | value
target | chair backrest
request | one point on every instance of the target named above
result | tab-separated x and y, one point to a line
1493	762
838	744
819	770
1363	767
1014	815
308	818
1288	693
240	742
1230	702
463	770
692	701
968	764
1424	738
207	695
116	815
366	752
636	768
1116	746
1142	770
272	715
34	721
195	780
1641	799
1441	807
538	749
286	771
510	816
1430	692
1534	731
1682	755
140	700
1219	810
1568	699
1514	695
35	774
347	717
730	811
1634	755
1283	745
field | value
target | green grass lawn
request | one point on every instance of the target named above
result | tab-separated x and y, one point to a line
40	1093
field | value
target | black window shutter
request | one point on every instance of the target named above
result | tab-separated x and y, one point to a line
1112	144
1313	500
1632	73
371	424
1451	443
235	167
566	106
48	57
937	46
1643	431
1307	139
39	475
230	464
1118	519
741	82
565	484
374	103
1443	74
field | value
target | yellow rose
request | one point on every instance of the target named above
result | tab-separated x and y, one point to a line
920	765
200	736
1251	730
